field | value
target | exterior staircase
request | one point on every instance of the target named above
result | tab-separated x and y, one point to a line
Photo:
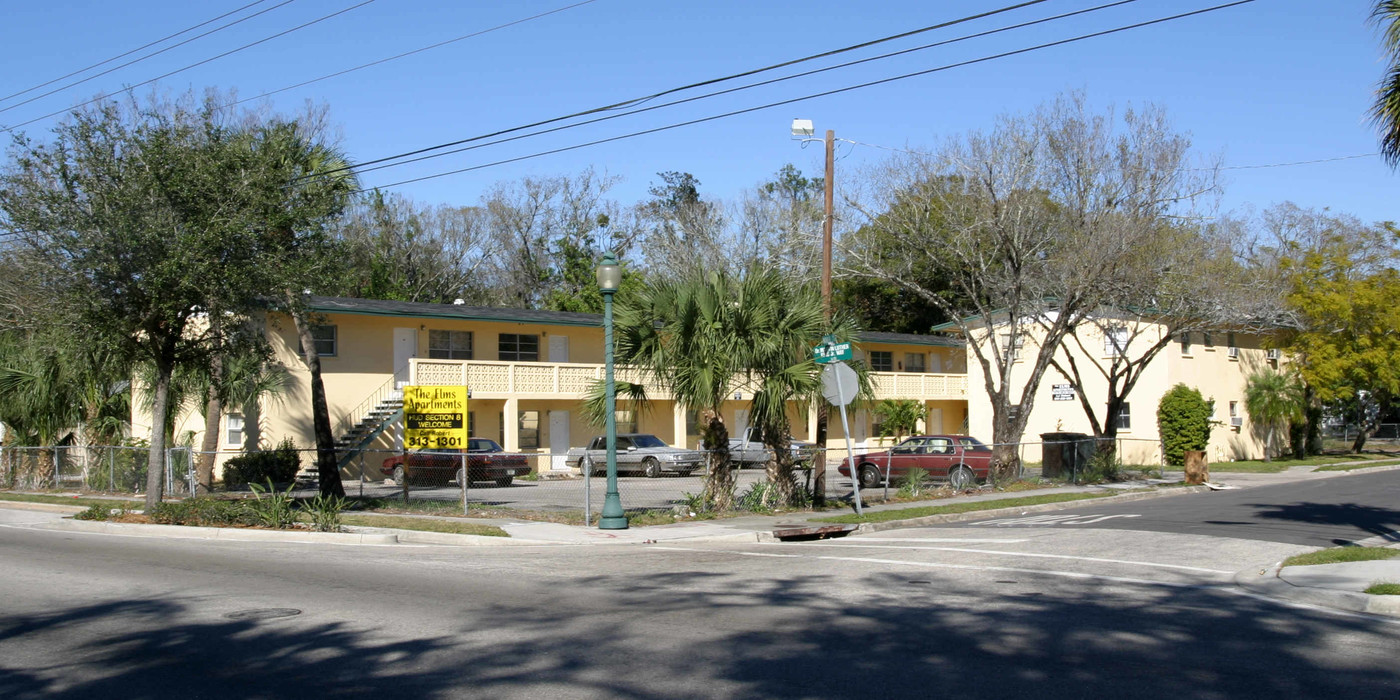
361	426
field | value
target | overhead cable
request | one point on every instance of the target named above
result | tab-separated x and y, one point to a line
140	48
812	96
197	64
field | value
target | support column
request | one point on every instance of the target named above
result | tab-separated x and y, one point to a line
678	424
812	421
511	417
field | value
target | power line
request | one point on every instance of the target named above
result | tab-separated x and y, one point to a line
1298	162
138	60
200	63
139	48
361	168
826	93
410	53
703	83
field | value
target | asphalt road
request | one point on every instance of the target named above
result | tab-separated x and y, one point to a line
1046	612
1319	513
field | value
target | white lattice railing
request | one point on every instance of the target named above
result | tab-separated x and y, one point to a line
555	379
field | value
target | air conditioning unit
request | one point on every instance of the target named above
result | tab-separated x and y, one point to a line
1234	353
1236	421
1275	354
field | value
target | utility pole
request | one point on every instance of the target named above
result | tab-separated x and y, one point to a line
819	482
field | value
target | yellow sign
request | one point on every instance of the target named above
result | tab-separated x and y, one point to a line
435	417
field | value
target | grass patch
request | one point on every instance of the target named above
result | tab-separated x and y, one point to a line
1350	467
965	507
1383	589
423	524
69	500
1341	555
1259	466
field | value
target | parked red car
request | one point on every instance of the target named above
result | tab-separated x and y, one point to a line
960	459
437	467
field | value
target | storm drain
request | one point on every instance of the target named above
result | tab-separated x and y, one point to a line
262	613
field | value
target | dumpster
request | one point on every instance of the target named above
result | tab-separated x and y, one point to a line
1065	454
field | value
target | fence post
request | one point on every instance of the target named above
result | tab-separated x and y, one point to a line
587	490
111	470
466	478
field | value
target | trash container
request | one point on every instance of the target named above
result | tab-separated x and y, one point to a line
1064	454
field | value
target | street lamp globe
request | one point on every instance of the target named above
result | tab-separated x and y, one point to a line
609	273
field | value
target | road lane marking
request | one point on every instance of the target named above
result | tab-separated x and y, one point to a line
1076	519
955	540
1015	554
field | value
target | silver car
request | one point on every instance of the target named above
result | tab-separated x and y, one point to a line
638	453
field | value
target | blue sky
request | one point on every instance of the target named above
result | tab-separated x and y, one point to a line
1274	81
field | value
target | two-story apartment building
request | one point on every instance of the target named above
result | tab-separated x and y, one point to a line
527	372
1218	364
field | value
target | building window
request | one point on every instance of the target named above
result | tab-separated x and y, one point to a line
913	362
1185	339
1236	420
626	420
1124	419
324	339
528	423
471	423
1013	412
515	347
1207	342
234	435
1115	341
1231	348
881	361
1011	355
450	345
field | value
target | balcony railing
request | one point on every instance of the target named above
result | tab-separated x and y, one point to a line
488	379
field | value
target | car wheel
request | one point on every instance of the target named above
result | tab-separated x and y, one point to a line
961	478
400	476
461	475
651	468
870	476
504	481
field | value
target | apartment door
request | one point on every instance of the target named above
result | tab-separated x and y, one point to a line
741	423
405	348
558	348
934	423
558	437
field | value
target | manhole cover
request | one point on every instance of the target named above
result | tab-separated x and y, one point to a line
262	613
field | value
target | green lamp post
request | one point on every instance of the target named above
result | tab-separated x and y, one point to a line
609	279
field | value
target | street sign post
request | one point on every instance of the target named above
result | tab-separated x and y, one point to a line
435	417
839	386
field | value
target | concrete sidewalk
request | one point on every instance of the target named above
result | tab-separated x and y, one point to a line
1338	586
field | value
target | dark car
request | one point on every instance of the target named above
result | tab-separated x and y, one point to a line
960	459
485	457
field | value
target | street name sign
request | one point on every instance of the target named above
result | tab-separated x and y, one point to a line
829	351
435	417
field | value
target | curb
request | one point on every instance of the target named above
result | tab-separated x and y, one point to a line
43	507
1266	582
1017	510
222	533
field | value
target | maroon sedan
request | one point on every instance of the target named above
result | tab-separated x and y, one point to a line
437	467
960	459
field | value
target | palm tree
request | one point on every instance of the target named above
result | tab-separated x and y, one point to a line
899	417
1273	399
1385	113
701	337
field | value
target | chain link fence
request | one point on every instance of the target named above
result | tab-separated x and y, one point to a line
541	484
100	469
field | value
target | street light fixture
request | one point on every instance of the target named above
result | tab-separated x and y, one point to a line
609	279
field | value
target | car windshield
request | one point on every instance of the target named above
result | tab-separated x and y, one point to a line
482	445
647	441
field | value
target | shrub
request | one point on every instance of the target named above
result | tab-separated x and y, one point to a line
1103	467
1183	420
201	512
272	508
325	512
278	466
914	483
98	511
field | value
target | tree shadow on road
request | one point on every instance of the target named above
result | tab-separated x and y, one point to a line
150	649
1383	522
